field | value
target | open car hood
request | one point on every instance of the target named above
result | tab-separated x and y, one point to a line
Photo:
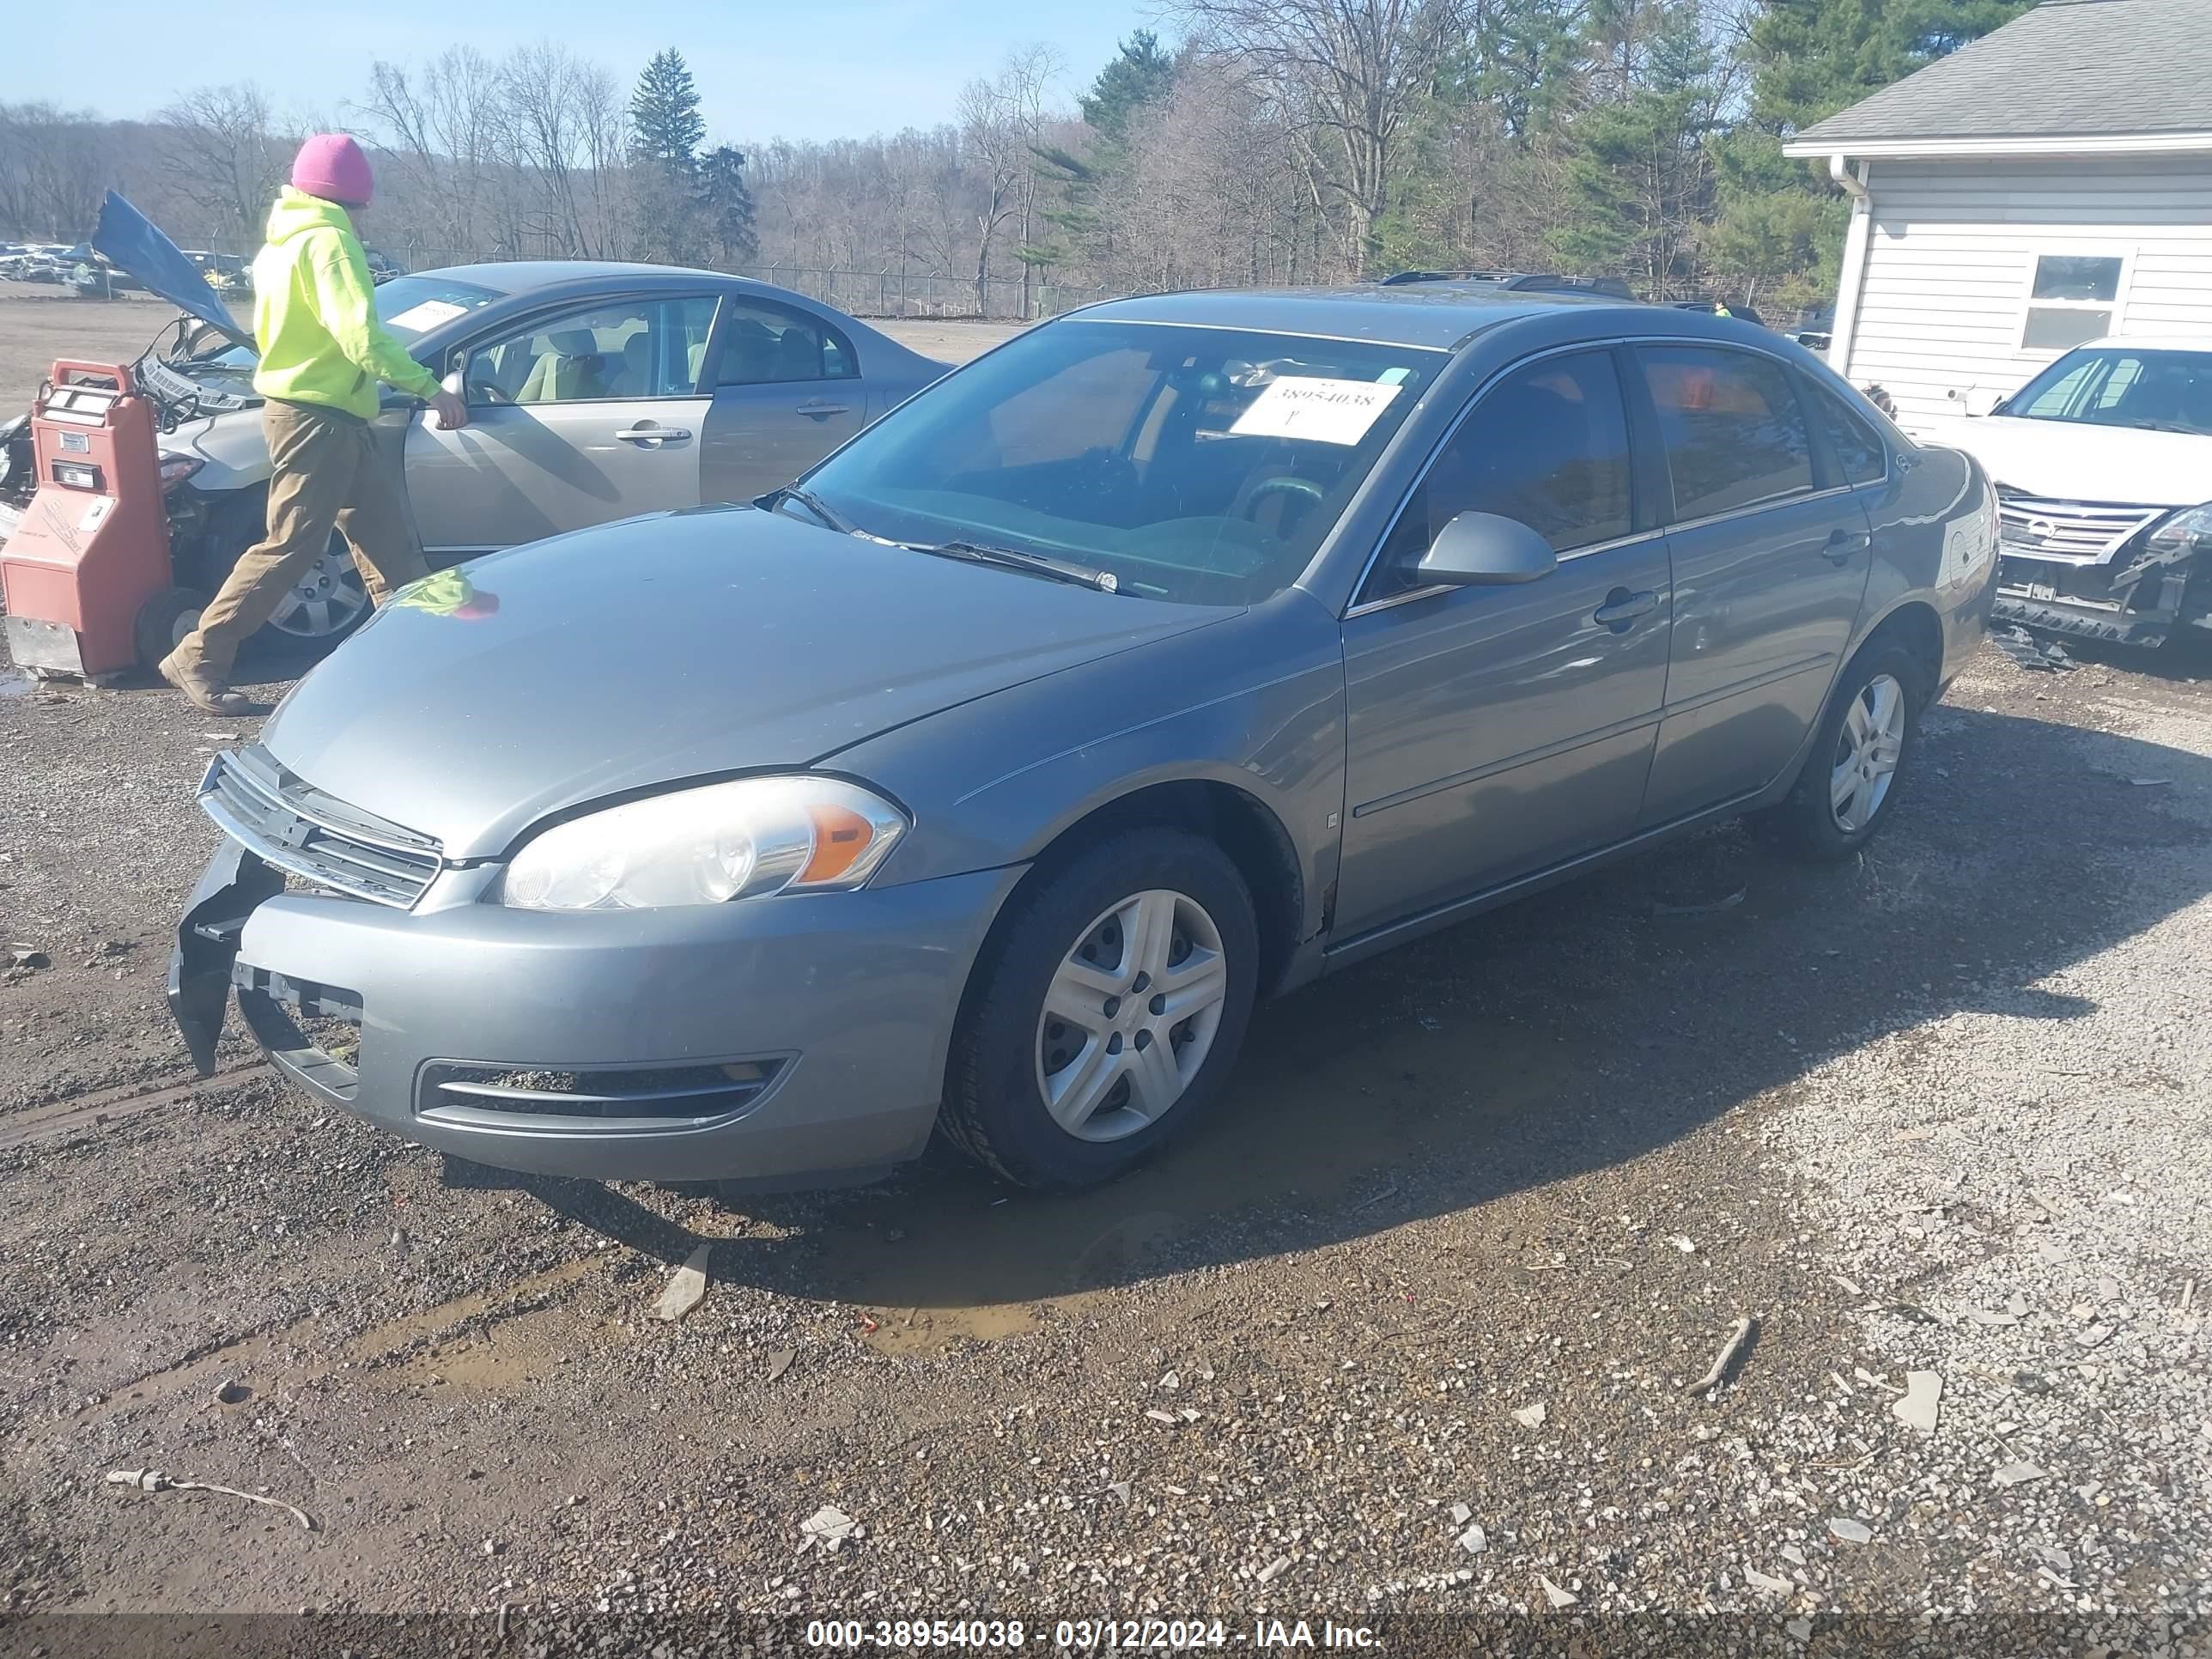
134	243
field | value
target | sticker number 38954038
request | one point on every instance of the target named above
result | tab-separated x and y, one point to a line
1312	407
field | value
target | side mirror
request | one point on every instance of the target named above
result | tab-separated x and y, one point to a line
1482	550
1975	400
453	380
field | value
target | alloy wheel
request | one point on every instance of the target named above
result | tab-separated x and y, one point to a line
1867	751
1131	1015
326	599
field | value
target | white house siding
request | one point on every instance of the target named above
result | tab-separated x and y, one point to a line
1953	243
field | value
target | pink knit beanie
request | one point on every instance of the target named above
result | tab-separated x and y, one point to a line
330	165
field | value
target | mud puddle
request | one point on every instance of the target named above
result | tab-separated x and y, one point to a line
14	682
1317	1131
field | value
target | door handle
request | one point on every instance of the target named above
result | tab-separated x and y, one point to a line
825	409
644	435
1843	543
1622	607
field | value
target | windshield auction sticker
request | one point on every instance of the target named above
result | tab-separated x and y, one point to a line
425	315
1320	410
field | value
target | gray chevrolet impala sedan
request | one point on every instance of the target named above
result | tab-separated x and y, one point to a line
1176	653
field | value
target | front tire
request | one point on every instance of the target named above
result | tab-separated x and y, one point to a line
325	605
1106	1013
1866	742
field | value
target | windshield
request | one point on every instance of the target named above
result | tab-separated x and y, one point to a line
410	307
2122	386
1202	466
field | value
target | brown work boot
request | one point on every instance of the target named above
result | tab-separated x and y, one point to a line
209	696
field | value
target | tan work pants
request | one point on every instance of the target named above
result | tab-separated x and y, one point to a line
325	476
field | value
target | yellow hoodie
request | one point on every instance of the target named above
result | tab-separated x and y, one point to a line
314	315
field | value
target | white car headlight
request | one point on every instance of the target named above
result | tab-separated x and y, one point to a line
2190	528
706	846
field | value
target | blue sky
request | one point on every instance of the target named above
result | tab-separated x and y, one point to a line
796	69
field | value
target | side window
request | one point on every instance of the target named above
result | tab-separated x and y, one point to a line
1547	445
1734	433
765	344
1863	456
626	349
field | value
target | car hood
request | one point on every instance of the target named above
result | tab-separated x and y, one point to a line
673	646
134	243
2076	461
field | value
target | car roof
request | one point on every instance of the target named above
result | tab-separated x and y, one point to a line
528	276
2151	343
1434	316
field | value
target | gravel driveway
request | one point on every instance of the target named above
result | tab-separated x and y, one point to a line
1409	1329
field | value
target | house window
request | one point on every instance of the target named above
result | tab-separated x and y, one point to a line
2073	298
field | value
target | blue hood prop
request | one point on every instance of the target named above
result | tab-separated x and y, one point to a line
134	243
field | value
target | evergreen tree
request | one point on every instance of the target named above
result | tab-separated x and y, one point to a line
1140	76
1780	224
665	126
724	205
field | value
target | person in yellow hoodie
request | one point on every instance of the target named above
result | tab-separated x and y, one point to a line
323	352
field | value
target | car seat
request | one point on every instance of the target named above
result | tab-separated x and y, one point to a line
572	370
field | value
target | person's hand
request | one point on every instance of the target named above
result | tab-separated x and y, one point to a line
453	414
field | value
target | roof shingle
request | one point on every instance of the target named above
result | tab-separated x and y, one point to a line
2068	68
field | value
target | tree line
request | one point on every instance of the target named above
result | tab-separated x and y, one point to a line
1274	141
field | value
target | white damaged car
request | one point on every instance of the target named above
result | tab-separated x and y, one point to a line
2103	465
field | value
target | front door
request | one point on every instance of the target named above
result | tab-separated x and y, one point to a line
1494	731
1770	555
573	420
786	391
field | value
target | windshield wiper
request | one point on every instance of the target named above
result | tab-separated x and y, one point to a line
1036	564
2163	426
812	503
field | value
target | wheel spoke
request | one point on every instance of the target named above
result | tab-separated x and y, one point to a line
1862	803
318	615
1856	721
1155	1081
1843	784
1078	992
1195	983
1148	933
287	604
1074	1092
1887	697
1885	752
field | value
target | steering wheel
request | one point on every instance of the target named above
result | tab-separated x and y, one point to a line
486	392
1282	484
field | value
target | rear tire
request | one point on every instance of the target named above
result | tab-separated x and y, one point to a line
1860	754
1150	1030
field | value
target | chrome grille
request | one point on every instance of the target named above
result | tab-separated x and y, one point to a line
2073	532
288	823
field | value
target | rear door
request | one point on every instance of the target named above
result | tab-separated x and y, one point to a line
786	388
575	419
1495	731
1770	555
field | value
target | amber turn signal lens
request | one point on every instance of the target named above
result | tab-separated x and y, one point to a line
841	835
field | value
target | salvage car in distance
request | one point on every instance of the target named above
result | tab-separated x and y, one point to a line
596	391
1171	654
2103	464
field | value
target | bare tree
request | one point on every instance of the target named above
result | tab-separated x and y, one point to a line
54	167
562	123
1001	121
1346	77
226	157
439	127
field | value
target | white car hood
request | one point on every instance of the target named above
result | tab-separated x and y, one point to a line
2075	461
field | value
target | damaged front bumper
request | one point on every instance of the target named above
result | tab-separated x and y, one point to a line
778	1041
2138	604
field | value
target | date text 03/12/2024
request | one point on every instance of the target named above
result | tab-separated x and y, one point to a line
1086	1634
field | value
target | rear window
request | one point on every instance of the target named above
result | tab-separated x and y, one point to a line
1734	432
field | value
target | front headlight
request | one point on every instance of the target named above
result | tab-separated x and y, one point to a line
2189	531
726	841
